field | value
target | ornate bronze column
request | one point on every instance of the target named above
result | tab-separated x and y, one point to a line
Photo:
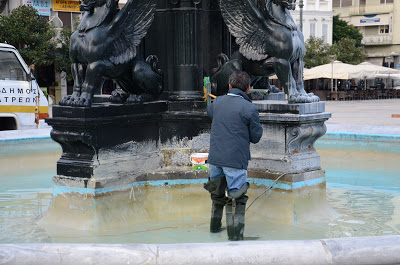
186	68
187	36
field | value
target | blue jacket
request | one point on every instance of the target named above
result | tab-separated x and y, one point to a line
235	123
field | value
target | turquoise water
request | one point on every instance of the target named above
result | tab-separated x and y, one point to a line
363	184
362	199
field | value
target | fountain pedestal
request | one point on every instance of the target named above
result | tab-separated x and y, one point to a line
110	147
287	145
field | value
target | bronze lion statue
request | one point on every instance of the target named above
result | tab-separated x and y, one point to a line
269	43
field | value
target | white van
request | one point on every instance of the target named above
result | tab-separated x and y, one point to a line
19	100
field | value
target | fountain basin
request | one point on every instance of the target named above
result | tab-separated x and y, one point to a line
354	205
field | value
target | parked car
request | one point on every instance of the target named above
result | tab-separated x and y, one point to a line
22	102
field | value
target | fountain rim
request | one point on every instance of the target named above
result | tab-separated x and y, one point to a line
352	250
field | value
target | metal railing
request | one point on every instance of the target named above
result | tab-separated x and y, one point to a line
377	39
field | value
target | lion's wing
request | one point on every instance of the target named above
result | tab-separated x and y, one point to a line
129	27
247	25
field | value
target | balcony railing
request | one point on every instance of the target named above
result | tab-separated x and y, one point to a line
371	9
377	39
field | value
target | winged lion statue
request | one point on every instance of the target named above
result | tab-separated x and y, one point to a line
269	43
105	45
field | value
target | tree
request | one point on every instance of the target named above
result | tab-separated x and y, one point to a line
62	61
30	33
341	30
317	52
347	51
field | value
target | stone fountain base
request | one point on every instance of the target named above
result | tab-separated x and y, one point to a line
111	147
287	145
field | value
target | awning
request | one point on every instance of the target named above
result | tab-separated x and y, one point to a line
335	70
341	70
371	70
388	76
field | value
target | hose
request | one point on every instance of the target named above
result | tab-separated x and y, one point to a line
270	187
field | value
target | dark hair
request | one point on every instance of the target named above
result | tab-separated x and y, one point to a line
240	80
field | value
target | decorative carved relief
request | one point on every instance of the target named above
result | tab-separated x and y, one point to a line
303	138
81	144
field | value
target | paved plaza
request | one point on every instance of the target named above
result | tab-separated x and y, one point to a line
364	116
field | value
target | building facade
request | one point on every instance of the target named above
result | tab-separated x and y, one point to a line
317	19
379	22
60	13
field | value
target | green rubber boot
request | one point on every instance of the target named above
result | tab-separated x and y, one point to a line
217	189
235	215
216	217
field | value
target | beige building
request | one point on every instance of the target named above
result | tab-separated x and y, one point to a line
379	22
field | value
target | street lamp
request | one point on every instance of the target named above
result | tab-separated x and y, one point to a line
332	57
301	5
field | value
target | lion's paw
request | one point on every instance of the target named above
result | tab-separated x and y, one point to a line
64	101
303	98
67	101
133	98
82	102
313	98
118	96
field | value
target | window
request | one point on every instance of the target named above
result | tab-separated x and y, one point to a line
386	1
312	29
383	29
65	17
336	3
362	2
347	3
11	68
325	32
344	3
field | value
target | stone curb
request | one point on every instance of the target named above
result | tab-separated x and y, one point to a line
357	250
360	136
